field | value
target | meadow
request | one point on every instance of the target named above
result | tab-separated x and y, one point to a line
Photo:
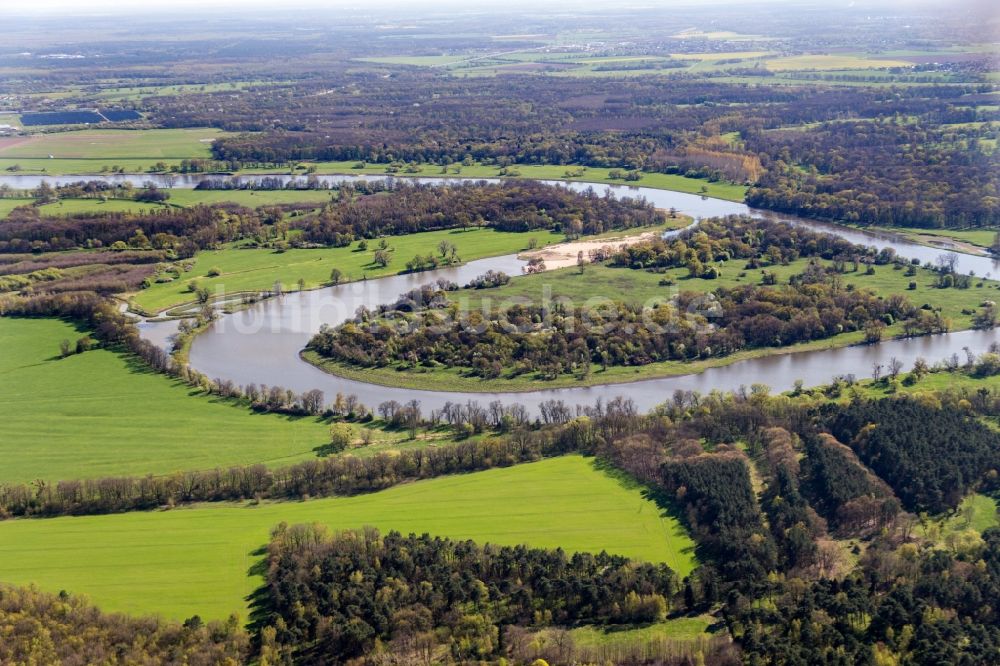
825	62
982	238
112	144
183	198
105	415
196	560
258	269
662	181
91	151
636	286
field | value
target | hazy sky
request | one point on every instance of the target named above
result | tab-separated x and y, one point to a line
289	7
79	6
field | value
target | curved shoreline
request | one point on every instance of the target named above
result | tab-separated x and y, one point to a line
406	380
264	343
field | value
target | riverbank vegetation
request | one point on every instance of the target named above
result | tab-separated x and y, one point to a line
705	297
279	246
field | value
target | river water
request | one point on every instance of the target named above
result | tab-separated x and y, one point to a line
261	344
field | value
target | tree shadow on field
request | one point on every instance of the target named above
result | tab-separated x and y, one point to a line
664	502
257	600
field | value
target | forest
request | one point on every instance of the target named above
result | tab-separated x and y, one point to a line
508	206
831	152
362	212
43	628
329	598
529	339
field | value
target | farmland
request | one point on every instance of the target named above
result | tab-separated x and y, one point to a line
106	415
178	197
91	151
112	144
832	62
195	561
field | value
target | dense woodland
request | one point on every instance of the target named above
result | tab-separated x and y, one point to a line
507	206
869	155
329	598
885	173
532	340
42	628
362	211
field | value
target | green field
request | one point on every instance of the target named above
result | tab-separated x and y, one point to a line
7	205
178	197
976	512
636	286
97	414
981	238
90	151
112	144
677	629
257	269
825	62
662	181
195	560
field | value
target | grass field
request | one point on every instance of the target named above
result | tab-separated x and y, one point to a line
257	269
112	144
824	62
976	512
619	284
90	151
195	560
178	197
96	414
979	237
720	190
676	629
7	205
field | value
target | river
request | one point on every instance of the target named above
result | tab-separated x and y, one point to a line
261	344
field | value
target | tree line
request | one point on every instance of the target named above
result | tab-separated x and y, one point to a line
508	206
43	628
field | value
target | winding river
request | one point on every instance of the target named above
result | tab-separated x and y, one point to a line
261	344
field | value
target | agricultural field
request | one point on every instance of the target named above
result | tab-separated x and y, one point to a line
831	62
178	197
258	269
112	144
90	151
196	560
104	415
635	286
